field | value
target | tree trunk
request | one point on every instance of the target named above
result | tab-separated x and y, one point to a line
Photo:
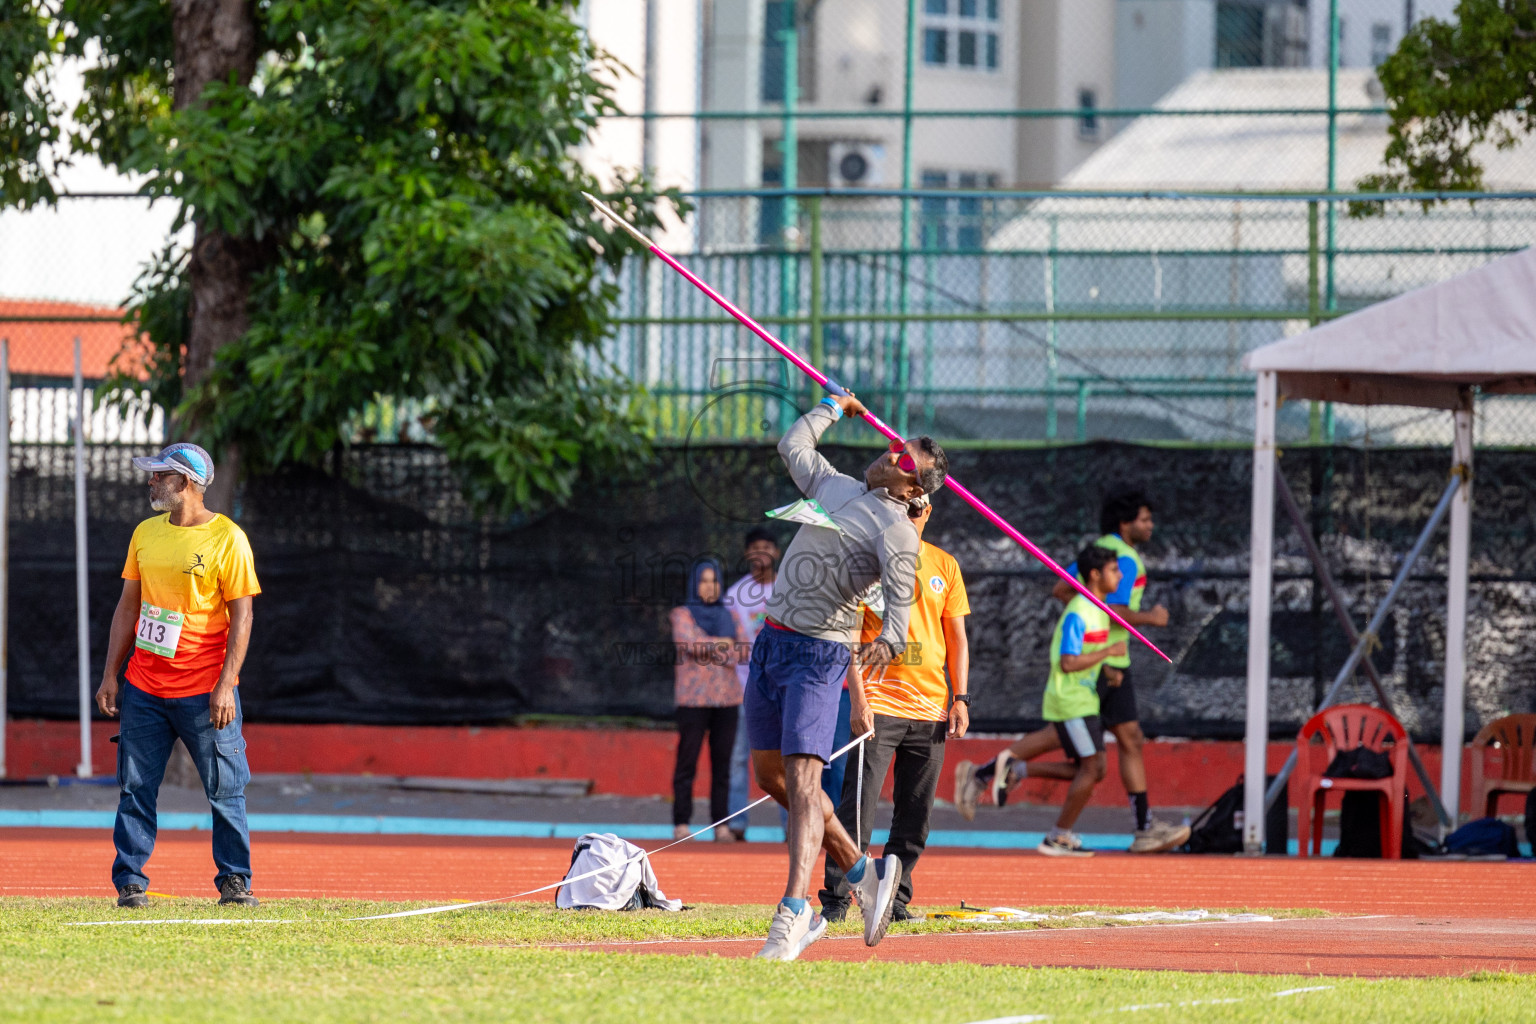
214	41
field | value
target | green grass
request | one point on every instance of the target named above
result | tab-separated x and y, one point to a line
478	966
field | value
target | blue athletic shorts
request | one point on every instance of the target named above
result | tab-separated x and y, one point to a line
794	686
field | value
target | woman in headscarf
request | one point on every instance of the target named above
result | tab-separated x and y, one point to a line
708	643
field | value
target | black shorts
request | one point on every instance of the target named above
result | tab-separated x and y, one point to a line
1080	737
1117	704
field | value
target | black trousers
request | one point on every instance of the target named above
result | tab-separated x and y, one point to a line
692	726
917	749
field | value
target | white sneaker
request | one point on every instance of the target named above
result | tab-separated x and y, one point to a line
1158	836
1000	777
790	933
967	789
1063	844
876	896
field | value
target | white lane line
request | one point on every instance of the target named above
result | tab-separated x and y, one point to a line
1137	1007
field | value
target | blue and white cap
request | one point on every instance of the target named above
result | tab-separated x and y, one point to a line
183	457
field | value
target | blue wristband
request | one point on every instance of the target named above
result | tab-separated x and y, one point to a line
835	407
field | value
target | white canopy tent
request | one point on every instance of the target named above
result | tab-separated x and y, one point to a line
1426	348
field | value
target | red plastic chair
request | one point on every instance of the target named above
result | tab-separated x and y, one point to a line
1514	736
1346	727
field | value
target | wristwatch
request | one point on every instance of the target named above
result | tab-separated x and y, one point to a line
963	698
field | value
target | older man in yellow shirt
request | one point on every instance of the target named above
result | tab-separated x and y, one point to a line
185	614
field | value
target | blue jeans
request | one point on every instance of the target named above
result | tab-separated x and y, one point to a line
150	726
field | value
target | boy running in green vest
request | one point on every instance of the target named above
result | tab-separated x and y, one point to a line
1079	648
1126	519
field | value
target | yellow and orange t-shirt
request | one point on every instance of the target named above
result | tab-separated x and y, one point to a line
914	686
188	575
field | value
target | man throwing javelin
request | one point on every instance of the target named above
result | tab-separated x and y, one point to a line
799	660
185	612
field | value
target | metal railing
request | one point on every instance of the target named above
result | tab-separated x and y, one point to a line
993	317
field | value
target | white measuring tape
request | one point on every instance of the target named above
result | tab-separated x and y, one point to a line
448	907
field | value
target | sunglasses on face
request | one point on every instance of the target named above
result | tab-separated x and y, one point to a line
904	462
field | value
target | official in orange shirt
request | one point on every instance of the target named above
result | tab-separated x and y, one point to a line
185	613
913	709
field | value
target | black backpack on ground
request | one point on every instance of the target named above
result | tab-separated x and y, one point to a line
1530	821
1218	829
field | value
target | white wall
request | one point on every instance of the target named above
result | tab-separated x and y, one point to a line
620	28
1358	17
1065	46
1158	44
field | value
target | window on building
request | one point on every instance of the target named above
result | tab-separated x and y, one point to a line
959	224
961	34
1088	114
1381	42
779	18
1239	35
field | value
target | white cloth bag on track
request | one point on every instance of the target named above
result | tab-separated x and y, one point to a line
623	880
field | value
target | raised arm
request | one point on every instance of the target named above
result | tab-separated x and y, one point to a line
807	467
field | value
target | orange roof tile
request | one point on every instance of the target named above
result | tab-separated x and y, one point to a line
45	348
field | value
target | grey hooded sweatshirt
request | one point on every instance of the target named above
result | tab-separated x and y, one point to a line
826	573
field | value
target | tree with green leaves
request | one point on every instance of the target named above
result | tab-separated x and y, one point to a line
1453	86
385	200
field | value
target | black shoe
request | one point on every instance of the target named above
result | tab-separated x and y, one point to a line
233	890
132	897
834	912
901	913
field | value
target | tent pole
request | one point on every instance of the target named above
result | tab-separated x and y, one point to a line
1260	583
1347	624
1373	628
1452	729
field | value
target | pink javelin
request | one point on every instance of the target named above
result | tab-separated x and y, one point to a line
874	421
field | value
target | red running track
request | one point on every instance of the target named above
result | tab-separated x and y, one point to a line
1446	918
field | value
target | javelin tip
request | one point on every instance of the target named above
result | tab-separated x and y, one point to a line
609	214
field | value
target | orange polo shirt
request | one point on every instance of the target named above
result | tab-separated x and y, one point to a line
915	687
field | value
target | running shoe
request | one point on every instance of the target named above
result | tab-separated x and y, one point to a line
790	933
234	891
1158	836
1063	844
131	897
876	896
967	789
1001	766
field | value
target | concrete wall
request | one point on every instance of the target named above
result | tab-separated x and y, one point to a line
1065	46
1158	44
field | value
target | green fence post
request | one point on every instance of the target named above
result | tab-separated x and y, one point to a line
902	360
1082	410
818	331
1050	336
1315	409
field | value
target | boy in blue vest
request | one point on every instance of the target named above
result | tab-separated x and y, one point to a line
1079	648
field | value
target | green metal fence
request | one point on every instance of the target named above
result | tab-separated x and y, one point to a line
1044	317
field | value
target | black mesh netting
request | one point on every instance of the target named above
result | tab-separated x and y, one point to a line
386	600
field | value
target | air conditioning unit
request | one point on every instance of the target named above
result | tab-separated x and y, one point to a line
855	164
